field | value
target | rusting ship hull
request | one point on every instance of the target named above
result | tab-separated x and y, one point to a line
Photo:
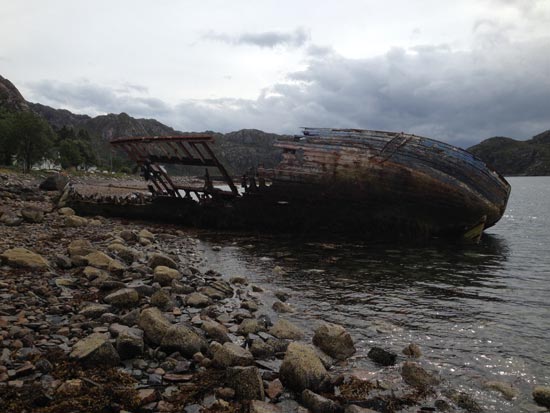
368	184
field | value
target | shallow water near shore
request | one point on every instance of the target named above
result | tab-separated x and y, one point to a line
479	312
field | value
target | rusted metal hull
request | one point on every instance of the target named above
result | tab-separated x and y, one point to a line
368	184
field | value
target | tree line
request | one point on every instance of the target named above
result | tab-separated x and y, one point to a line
27	139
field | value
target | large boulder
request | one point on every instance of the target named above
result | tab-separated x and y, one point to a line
302	369
246	381
334	340
154	324
231	354
95	350
22	257
181	338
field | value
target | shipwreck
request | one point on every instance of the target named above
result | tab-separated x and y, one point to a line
363	183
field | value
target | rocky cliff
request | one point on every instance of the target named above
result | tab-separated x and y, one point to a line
10	98
513	157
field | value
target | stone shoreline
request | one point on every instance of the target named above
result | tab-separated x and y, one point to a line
108	315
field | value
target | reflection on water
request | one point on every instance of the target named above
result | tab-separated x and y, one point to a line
479	312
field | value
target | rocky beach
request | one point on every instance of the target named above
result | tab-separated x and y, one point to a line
108	315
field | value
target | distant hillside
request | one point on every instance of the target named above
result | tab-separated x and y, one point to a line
512	157
237	150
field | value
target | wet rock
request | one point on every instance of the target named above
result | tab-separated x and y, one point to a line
257	406
250	326
247	383
165	275
319	404
22	257
216	331
32	215
382	357
74	221
197	300
541	395
154	324
124	298
157	259
162	300
284	329
334	340
302	369
413	351
281	307
181	338
231	354
506	389
129	343
416	376
466	402
95	350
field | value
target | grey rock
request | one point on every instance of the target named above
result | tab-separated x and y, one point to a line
353	408
165	275
231	354
216	331
416	376
198	300
183	339
257	406
95	310
125	297
281	307
412	350
246	381
154	324
506	389
162	300
286	330
302	369
157	259
319	404
129	343
250	326
541	395
95	350
32	215
334	340
382	357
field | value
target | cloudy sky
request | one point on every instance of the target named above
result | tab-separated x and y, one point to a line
458	71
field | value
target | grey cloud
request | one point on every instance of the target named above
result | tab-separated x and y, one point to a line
87	97
456	96
269	39
459	97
